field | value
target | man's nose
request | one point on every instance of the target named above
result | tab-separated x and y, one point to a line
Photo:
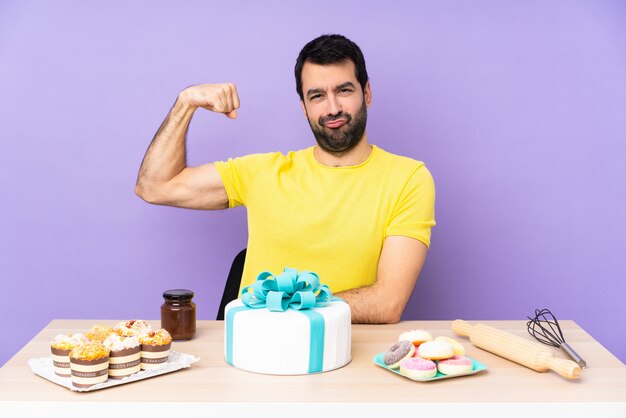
334	107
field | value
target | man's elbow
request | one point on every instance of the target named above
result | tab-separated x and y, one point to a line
145	193
392	317
393	313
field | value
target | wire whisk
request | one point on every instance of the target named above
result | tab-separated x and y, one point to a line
546	329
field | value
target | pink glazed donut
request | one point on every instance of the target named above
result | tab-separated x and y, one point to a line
418	368
455	365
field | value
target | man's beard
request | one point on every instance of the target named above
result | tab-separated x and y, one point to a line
344	138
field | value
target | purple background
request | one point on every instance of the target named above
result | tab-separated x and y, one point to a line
517	108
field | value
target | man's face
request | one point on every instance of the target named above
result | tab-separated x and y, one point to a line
335	105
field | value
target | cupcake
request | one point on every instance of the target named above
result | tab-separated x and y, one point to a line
132	328
89	364
99	333
60	347
155	349
124	355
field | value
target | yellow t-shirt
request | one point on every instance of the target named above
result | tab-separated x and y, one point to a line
329	220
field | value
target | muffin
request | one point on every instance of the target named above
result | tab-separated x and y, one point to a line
89	364
124	355
131	328
60	347
155	349
99	333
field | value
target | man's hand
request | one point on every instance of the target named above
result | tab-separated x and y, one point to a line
220	98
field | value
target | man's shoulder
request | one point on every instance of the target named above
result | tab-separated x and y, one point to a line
269	163
400	162
277	156
255	160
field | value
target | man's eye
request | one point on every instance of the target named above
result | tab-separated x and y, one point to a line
346	90
315	96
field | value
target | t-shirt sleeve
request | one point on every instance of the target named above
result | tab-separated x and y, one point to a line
414	212
238	175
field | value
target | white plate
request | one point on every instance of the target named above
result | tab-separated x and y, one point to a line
176	361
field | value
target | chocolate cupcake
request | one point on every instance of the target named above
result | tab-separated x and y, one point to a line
99	333
155	349
132	328
60	347
89	364
124	356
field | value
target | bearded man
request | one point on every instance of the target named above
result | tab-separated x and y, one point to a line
356	215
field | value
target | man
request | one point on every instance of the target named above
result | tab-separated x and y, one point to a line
356	215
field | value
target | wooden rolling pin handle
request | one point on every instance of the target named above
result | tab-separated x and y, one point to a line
461	327
566	368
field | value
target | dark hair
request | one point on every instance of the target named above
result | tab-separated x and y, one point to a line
331	49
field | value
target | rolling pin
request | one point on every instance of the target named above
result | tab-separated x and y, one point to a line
517	349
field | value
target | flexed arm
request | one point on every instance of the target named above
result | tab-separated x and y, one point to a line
164	178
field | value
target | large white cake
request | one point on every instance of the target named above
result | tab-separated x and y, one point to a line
286	343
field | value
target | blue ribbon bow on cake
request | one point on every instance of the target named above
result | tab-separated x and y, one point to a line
287	290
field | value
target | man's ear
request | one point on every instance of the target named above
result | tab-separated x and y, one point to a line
367	93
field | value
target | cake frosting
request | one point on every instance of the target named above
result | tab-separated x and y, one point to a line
155	337
68	341
99	333
116	343
132	327
280	342
89	351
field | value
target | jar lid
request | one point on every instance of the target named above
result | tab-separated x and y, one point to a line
178	294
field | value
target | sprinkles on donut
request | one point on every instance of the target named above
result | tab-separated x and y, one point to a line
398	352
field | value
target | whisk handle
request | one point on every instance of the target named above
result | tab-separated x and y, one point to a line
574	355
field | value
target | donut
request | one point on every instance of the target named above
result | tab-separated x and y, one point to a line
418	368
455	365
456	346
435	350
397	352
417	336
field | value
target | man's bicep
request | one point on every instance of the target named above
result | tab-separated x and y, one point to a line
399	267
198	188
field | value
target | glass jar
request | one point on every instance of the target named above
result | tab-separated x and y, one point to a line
178	314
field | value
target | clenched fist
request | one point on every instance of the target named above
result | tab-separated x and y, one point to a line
220	98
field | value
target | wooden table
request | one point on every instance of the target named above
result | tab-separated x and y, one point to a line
210	387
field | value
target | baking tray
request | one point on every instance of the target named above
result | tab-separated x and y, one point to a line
477	367
43	367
